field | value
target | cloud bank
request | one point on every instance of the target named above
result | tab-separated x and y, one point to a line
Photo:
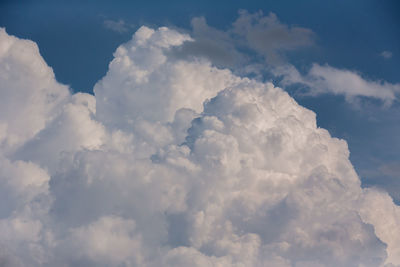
175	162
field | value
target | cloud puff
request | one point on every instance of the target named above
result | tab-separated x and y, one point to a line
29	92
329	80
175	162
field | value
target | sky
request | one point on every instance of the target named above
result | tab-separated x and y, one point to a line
235	132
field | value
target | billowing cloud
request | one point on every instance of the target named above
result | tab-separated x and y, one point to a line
175	162
29	92
329	80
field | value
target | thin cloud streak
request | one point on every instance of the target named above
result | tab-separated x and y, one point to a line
119	26
329	80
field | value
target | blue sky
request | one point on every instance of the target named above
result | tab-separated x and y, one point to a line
77	39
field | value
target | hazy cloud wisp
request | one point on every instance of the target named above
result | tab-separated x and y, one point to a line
261	34
387	54
329	80
117	26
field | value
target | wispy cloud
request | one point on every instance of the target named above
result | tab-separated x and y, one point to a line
256	33
268	36
257	43
329	80
119	26
387	54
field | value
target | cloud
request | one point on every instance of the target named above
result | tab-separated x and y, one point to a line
255	36
31	101
329	80
251	34
174	161
117	26
385	175
387	54
269	37
215	45
109	240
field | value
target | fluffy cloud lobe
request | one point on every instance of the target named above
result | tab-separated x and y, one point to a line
174	162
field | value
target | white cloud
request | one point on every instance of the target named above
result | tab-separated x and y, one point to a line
29	92
141	77
329	80
110	240
175	162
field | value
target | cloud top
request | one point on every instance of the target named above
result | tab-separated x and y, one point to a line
175	162
29	91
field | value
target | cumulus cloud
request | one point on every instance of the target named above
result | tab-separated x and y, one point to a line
29	92
175	162
329	80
